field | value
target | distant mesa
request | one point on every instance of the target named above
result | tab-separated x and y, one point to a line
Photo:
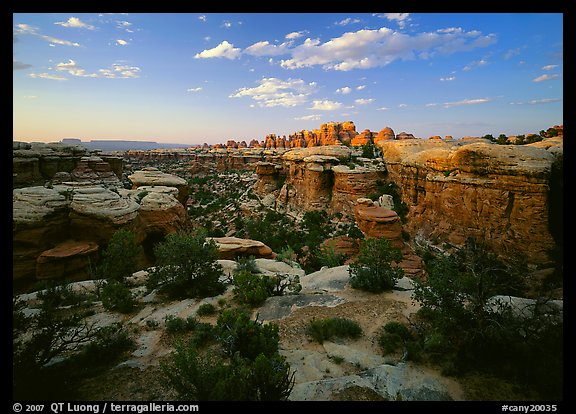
120	145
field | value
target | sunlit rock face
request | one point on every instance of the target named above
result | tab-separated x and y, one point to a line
322	178
506	195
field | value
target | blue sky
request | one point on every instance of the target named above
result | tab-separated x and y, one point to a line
195	78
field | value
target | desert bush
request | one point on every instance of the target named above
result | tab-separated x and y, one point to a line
466	335
247	264
236	332
247	366
324	329
328	257
115	295
252	289
206	309
120	257
372	270
207	377
187	266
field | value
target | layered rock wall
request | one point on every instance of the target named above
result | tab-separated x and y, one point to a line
474	188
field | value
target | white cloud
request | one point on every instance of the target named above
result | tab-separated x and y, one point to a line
73	69
121	42
363	101
325	105
76	23
537	101
46	76
400	18
360	87
402	105
475	64
382	108
294	35
227	24
118	71
202	18
224	49
448	78
264	48
545	77
366	49
549	67
27	29
198	89
273	92
347	21
124	25
344	91
315	117
466	102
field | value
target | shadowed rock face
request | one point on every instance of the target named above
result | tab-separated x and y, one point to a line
497	193
52	227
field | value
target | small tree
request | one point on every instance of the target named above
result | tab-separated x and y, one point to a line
187	266
120	257
372	270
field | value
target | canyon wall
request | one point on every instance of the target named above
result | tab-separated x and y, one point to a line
507	195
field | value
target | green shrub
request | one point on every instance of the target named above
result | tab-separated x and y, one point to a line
116	296
120	257
324	329
186	266
236	332
467	335
175	324
372	271
392	336
198	377
251	289
206	309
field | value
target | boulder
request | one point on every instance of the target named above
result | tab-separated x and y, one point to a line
231	247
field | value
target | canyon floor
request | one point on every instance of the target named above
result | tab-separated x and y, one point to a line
342	369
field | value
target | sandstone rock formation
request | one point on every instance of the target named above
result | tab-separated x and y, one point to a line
317	179
378	222
151	176
229	248
474	188
57	230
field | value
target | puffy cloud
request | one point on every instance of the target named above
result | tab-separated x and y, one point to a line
344	91
117	71
325	105
224	49
545	77
273	92
294	35
448	78
121	42
75	23
198	89
366	49
264	48
549	67
363	101
400	18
